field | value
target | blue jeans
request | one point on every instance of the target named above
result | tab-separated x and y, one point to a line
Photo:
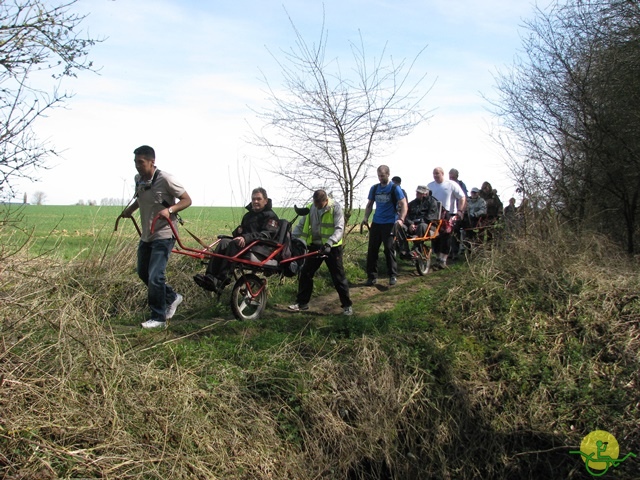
152	263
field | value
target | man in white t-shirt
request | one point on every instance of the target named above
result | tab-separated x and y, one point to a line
454	202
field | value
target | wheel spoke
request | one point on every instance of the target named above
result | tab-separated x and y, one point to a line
242	306
247	305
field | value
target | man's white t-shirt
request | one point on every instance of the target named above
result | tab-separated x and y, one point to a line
447	193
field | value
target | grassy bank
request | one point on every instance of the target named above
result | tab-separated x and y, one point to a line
495	369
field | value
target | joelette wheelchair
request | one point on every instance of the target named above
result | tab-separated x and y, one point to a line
252	265
417	249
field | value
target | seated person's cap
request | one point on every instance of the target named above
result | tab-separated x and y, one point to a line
422	189
474	189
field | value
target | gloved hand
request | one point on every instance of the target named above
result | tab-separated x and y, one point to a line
326	249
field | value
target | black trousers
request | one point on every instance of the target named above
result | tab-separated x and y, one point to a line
442	243
219	267
381	234
469	224
420	231
336	270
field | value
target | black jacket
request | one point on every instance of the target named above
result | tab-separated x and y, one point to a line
422	211
494	205
260	225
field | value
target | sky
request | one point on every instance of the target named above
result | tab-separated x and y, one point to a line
184	76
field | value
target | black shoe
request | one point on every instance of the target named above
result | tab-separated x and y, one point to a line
206	281
222	283
393	280
371	282
438	264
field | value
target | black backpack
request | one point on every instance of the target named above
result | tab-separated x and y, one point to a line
291	247
298	248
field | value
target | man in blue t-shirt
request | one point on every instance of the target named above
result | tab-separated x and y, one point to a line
387	197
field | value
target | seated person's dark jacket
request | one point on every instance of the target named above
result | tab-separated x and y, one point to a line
422	210
494	204
261	225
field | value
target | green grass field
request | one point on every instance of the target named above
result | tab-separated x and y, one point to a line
79	231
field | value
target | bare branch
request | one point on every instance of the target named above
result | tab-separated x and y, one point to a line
34	37
325	127
572	108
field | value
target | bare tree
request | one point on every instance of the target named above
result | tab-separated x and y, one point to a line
112	202
325	126
39	197
35	38
572	108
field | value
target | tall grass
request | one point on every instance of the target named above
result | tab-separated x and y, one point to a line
494	369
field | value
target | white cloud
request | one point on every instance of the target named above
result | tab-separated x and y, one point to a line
179	76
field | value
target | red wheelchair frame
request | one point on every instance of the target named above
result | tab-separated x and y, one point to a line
421	252
249	292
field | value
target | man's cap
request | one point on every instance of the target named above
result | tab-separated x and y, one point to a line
422	189
396	180
475	189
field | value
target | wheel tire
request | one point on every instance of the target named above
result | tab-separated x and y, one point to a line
243	304
423	262
423	266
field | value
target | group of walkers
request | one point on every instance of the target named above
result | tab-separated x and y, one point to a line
445	199
159	194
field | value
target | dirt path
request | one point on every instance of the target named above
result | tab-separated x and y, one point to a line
369	300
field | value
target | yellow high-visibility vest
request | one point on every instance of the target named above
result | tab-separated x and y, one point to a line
327	226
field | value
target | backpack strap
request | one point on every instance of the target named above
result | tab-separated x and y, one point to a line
153	180
394	197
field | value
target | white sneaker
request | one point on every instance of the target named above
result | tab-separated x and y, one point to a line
171	309
347	311
154	324
297	307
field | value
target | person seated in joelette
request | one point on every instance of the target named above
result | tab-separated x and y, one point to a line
476	208
260	222
421	210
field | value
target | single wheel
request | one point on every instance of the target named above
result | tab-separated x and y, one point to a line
423	266
423	262
249	297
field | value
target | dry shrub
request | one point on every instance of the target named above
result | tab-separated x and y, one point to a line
556	320
355	406
76	400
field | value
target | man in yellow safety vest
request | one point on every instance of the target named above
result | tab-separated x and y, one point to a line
322	229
